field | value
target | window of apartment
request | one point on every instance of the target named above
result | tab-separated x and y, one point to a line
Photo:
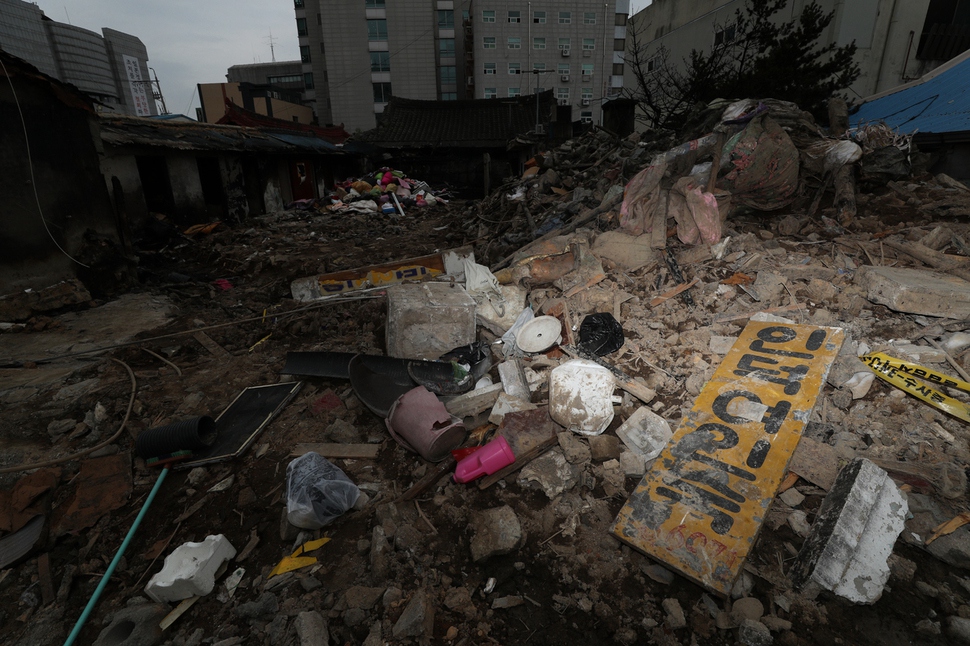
491	93
587	69
515	16
514	91
589	18
449	75
298	4
320	19
587	94
538	43
515	42
653	63
489	68
376	30
446	47
488	42
539	17
301	27
619	45
374	4
488	15
308	81
382	92
620	20
305	53
617	69
565	17
323	49
380	61
563	43
589	43
563	69
586	116
540	90
449	96
539	67
724	35
515	68
446	19
279	80
562	95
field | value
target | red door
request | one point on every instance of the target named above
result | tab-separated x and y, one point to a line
301	180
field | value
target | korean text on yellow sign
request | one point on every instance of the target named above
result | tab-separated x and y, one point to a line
700	507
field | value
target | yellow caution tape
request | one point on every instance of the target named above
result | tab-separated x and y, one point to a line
296	560
905	375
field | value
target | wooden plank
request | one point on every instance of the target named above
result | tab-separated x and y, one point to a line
44	574
214	348
700	508
429	480
180	610
520	461
683	287
337	450
474	402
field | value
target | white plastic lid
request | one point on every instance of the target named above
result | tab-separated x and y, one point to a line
539	334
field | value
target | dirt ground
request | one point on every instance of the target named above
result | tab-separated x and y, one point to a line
570	581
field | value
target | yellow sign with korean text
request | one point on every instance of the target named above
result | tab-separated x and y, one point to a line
700	507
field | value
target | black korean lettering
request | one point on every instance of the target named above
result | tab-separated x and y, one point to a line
758	453
773	417
792	384
704	502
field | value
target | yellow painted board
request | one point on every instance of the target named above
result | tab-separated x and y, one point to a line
700	507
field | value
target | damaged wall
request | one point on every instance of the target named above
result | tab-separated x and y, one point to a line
63	142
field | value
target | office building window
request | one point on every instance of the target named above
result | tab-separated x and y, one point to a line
514	91
449	96
489	68
448	75
488	15
298	4
308	81
515	42
515	16
305	53
539	17
565	17
374	4
587	69
446	47
563	43
538	43
446	19
589	43
279	80
589	18
382	92
488	42
376	30
490	93
515	68
301	27
380	61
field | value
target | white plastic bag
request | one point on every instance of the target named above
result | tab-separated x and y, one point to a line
317	491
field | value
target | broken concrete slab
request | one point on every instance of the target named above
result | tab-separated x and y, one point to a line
627	252
917	291
426	320
550	472
135	625
20	306
853	535
513	378
497	531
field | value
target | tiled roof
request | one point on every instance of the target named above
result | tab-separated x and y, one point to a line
484	123
236	116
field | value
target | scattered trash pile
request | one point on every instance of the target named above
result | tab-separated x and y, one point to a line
656	415
387	191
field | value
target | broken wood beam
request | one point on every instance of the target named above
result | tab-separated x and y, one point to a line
683	287
429	480
474	402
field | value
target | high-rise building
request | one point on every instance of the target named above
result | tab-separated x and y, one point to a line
111	67
360	52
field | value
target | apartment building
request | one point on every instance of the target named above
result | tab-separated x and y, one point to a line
360	52
111	67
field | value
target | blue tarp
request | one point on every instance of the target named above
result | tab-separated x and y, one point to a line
938	103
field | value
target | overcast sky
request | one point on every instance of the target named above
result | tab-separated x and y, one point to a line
195	41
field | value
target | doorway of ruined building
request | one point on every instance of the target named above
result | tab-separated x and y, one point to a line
301	180
210	177
156	184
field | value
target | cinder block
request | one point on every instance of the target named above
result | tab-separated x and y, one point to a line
853	535
917	291
426	320
190	571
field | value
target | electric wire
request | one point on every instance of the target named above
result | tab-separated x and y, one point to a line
30	168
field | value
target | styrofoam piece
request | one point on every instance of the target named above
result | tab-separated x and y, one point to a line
645	433
539	334
581	396
190	570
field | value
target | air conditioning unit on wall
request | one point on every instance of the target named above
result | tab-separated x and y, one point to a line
564	78
585	101
565	51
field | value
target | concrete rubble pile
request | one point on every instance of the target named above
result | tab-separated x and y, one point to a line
717	410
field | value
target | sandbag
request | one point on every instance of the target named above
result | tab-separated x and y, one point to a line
763	165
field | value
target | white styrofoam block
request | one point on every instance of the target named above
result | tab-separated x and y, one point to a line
190	570
645	432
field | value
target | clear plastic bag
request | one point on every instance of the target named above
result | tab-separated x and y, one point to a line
317	491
